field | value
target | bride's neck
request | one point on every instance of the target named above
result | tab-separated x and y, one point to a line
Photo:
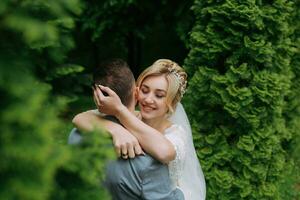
159	124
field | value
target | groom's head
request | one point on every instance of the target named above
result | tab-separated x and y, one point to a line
116	75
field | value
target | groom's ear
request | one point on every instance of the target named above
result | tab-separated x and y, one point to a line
136	93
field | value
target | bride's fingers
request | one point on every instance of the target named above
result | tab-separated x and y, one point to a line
99	93
138	150
124	152
131	153
109	91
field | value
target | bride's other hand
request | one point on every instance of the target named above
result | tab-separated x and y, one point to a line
109	104
124	142
126	145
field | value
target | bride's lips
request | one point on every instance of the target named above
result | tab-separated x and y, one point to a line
147	108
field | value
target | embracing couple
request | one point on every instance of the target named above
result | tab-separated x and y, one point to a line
157	158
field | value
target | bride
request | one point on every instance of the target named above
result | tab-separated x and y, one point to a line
160	89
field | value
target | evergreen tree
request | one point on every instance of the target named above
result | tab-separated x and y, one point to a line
32	33
128	29
242	75
292	114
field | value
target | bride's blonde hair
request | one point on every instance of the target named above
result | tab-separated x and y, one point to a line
175	76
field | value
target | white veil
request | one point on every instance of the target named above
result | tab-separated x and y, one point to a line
192	181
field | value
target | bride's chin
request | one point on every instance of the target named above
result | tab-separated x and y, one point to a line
146	115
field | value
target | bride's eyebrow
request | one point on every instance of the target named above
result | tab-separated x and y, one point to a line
143	85
159	90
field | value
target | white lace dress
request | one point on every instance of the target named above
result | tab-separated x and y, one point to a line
175	134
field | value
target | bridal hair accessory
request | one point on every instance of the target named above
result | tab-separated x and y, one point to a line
181	80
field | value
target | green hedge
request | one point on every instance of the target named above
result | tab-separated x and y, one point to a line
292	113
242	83
35	37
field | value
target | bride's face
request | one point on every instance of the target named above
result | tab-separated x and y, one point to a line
152	97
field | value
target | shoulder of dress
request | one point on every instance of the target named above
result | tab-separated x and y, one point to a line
174	128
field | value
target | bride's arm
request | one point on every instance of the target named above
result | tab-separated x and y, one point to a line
90	121
152	141
124	142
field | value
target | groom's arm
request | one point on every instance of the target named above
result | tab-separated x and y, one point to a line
123	140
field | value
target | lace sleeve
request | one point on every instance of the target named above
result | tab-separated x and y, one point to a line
175	135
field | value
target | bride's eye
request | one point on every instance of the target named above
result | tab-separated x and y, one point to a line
160	96
144	90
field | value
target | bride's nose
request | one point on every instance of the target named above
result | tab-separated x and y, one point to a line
149	99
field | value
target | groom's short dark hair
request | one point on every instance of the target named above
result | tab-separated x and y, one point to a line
116	75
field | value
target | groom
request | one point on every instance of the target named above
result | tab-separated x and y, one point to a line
138	178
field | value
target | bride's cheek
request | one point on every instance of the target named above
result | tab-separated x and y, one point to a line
138	95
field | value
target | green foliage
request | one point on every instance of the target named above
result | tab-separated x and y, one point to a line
243	85
129	28
34	39
29	158
44	29
131	16
104	16
292	113
81	176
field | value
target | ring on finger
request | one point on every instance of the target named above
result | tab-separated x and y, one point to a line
124	155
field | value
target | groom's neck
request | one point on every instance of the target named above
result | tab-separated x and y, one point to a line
131	107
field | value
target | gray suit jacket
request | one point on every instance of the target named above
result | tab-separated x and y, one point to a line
140	178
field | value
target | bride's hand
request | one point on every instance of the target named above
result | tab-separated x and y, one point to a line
126	145
110	104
